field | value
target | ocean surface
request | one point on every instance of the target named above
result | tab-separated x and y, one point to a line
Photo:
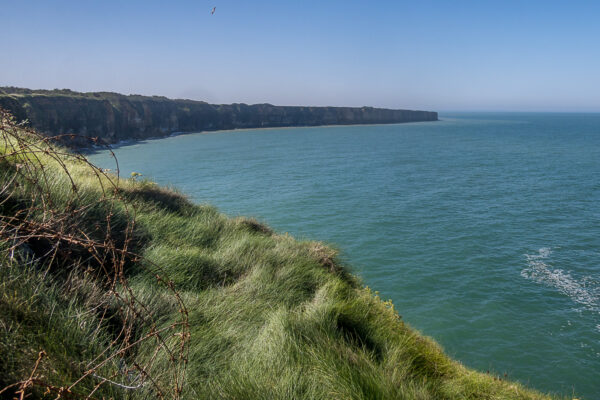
484	229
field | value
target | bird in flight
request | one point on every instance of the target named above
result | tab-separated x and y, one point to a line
213	10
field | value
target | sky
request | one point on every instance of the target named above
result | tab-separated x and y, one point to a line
451	55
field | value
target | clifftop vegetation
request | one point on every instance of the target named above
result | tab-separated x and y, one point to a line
113	287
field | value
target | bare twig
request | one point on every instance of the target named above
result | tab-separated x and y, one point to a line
33	220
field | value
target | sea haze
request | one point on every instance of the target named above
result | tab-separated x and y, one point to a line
484	229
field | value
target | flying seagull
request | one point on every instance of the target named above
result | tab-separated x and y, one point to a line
213	10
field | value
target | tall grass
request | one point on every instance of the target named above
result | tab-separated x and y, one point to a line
266	316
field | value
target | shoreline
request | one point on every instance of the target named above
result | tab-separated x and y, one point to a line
133	141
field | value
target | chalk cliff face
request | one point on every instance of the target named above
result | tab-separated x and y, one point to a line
114	117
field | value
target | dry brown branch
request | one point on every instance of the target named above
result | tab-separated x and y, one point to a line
48	233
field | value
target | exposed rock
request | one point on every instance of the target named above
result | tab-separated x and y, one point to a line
114	117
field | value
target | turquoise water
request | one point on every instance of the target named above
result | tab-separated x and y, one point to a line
484	229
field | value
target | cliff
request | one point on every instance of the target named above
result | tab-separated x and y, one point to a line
114	117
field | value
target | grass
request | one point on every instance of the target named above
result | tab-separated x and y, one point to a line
269	316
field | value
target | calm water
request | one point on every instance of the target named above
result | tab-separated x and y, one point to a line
484	229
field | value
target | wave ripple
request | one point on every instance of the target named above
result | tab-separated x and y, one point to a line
582	291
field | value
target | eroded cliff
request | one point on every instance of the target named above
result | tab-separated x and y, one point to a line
114	117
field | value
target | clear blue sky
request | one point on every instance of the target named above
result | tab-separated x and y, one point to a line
438	55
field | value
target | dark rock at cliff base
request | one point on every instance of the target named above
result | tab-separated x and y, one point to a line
113	117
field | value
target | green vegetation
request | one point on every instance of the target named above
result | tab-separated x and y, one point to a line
187	302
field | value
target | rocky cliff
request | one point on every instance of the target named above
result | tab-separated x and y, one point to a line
114	117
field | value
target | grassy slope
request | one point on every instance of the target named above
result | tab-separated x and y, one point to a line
270	316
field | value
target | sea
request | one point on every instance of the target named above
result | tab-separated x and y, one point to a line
482	228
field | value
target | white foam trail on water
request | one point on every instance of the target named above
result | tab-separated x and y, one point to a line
577	290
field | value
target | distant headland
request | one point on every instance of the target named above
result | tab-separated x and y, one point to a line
114	117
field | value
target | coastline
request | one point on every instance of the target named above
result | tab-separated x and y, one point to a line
113	117
133	141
